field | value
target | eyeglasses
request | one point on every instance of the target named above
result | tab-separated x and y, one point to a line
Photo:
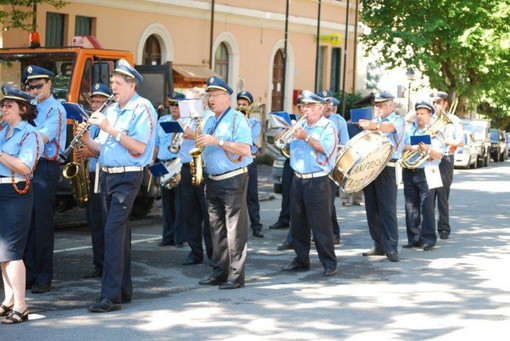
8	106
216	95
174	104
37	86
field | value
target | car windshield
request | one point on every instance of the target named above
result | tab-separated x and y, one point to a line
494	136
61	64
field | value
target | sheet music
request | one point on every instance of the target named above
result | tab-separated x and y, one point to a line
279	122
191	108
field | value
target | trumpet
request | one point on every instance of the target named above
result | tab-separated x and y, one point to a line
77	138
282	142
178	138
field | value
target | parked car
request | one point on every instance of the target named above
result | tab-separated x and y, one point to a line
508	143
480	130
466	157
499	147
278	173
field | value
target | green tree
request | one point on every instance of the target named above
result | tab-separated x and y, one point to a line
463	46
19	13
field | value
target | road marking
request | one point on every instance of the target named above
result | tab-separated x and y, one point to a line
90	247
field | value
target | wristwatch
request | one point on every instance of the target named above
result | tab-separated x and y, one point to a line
117	138
221	143
307	139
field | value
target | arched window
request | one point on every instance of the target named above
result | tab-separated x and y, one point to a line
221	61
276	93
152	51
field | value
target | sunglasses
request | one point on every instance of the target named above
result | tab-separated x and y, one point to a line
174	104
37	86
8	106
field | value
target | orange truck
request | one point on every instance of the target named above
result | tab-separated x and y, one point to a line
76	70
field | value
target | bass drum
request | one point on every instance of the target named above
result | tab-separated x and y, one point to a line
361	160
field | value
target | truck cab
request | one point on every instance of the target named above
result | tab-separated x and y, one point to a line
76	69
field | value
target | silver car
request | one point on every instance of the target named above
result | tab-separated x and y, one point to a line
465	157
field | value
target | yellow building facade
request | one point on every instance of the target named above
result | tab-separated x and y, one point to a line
246	39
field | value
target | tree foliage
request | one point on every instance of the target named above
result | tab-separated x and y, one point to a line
463	46
19	13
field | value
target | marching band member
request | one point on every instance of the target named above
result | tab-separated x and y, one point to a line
226	154
100	92
454	138
381	194
173	229
419	199
20	146
51	123
244	100
342	138
312	156
193	205
125	145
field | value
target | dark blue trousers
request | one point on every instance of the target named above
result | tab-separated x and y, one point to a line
228	218
311	209
41	236
95	222
287	175
419	205
443	195
173	229
381	209
194	216
118	193
253	198
334	220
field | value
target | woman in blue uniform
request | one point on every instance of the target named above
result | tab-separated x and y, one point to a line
20	146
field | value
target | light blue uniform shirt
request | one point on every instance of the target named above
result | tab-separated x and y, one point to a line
26	152
454	132
164	139
304	159
437	143
397	137
341	128
187	145
256	128
138	120
51	121
94	132
234	127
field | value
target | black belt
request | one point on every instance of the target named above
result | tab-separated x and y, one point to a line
185	164
416	170
168	160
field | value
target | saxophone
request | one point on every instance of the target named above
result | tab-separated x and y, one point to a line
196	165
77	172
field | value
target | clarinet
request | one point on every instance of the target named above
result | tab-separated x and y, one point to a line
79	135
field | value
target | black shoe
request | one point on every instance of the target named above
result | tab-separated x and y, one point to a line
211	281
284	246
393	256
40	288
93	274
296	266
329	272
373	252
231	285
444	235
163	243
104	305
192	261
258	234
279	225
410	245
427	247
